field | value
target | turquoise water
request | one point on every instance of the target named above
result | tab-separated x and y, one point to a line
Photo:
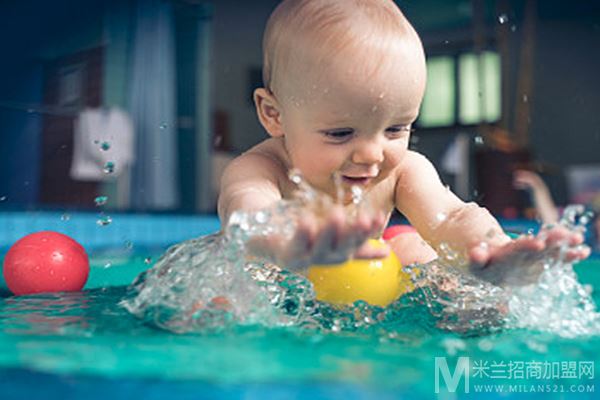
90	334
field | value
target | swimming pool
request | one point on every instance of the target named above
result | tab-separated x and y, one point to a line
84	345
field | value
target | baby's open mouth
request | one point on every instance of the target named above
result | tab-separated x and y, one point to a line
357	180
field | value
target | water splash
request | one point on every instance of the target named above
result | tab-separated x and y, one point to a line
208	284
558	303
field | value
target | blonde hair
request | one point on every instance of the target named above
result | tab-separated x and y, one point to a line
325	28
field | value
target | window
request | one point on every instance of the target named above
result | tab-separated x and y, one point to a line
462	90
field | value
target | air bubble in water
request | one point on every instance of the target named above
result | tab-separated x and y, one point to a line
3	198
478	140
503	18
65	217
163	126
104	146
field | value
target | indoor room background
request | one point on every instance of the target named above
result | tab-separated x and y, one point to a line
512	84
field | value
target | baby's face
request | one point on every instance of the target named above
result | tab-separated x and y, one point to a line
341	121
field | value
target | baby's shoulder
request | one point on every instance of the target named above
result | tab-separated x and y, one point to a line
414	163
265	159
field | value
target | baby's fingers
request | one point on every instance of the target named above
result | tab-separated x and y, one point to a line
559	235
368	251
577	253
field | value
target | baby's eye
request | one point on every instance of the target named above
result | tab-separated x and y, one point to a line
338	134
399	130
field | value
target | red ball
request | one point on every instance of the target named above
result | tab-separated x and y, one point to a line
45	262
392	231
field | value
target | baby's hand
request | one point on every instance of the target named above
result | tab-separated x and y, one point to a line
525	180
521	261
329	239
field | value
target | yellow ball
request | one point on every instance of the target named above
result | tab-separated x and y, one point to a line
377	281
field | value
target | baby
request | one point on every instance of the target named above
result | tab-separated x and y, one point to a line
343	83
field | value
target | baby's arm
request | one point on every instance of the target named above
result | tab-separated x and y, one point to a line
471	231
249	183
254	181
542	198
438	214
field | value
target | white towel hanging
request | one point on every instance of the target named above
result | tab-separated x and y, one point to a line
103	144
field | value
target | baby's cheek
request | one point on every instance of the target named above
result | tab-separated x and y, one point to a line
394	157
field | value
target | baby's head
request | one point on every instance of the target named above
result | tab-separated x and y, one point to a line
338	65
306	39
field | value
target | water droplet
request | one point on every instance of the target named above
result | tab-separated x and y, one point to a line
104	220
525	98
374	108
357	194
381	95
446	41
513	28
105	146
96	142
107	265
109	167
441	217
163	126
261	217
65	217
503	18
3	198
295	176
100	200
147	260
478	140
485	345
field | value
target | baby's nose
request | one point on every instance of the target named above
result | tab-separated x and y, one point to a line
368	152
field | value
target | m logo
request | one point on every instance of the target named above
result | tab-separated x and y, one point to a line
451	380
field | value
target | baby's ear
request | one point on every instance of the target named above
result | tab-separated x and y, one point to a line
268	111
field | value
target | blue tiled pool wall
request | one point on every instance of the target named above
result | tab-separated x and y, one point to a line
142	230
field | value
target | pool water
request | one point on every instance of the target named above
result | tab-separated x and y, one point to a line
87	345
